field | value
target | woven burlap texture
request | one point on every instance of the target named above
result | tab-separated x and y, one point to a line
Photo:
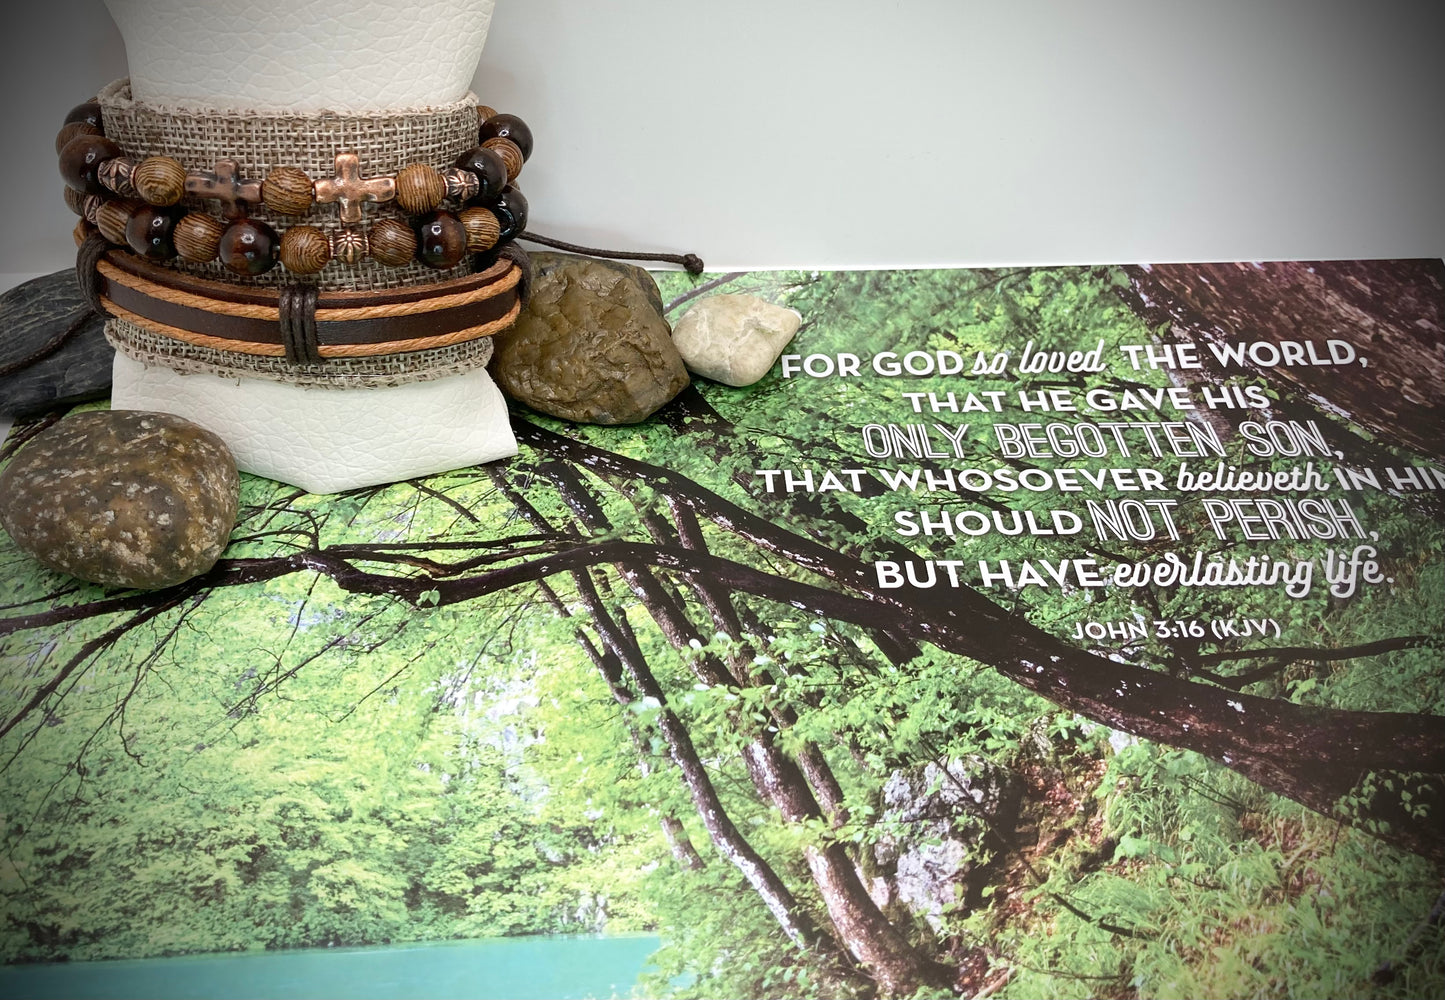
383	142
339	373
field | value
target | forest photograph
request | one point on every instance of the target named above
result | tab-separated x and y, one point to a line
1068	632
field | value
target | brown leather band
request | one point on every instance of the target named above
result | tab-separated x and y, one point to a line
253	295
250	315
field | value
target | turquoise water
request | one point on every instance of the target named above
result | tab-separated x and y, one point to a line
546	968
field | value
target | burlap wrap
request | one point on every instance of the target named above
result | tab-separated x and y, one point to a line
383	142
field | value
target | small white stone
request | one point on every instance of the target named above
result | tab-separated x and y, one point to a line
734	339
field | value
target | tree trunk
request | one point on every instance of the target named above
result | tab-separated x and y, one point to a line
1312	755
1389	311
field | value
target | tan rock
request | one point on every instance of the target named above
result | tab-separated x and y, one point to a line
592	344
125	498
734	339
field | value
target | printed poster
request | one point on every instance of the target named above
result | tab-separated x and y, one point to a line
1066	632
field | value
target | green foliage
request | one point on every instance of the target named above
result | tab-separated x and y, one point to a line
293	763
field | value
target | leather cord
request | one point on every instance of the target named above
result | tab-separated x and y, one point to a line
86	258
691	262
298	324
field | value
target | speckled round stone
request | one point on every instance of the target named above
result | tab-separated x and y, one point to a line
125	498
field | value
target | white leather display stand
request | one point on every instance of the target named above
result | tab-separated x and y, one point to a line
306	56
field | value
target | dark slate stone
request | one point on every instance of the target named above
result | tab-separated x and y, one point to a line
124	498
592	344
30	315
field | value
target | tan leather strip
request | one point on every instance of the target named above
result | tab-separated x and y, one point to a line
325	312
326	350
249	323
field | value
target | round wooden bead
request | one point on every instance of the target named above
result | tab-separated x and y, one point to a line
508	127
91	207
483	229
80	161
71	131
287	191
419	188
81	231
442	240
304	250
491	171
150	230
74	200
392	242
115	175
87	113
511	210
248	246
159	180
483	113
198	237
112	217
349	246
510	154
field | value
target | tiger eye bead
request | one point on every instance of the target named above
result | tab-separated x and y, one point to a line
491	171
392	242
442	240
74	200
81	160
508	127
304	250
483	229
159	180
112	217
198	237
419	188
287	191
72	131
87	113
150	232
511	210
248	246
510	154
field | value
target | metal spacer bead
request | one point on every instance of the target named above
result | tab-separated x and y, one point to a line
462	185
349	246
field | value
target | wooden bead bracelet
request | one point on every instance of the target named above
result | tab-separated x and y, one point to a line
145	217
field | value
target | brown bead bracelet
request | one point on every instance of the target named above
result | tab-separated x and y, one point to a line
144	216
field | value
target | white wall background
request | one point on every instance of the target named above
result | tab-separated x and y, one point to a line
765	133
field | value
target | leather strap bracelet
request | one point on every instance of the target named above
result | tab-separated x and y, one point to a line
302	324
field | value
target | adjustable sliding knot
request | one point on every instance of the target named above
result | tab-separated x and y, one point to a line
298	324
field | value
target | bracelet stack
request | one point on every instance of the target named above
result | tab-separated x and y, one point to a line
135	203
319	249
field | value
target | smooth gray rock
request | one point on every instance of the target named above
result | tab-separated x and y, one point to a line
592	344
734	339
30	315
124	498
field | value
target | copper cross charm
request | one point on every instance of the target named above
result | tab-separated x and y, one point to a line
233	192
349	189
